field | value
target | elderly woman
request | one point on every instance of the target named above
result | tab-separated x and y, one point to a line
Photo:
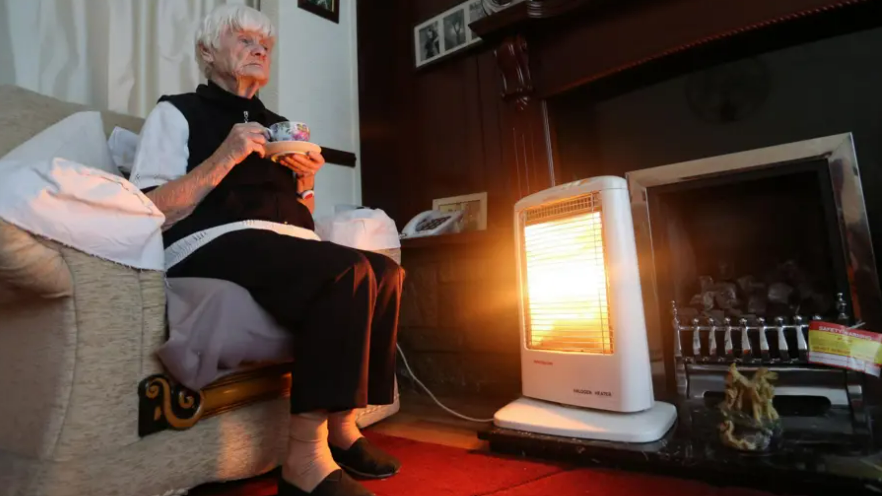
235	215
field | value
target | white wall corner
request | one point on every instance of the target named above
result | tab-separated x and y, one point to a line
356	121
314	79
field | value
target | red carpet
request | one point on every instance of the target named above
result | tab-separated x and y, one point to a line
434	470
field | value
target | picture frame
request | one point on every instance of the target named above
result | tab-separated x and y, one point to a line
474	207
427	41
454	29
474	11
447	32
328	9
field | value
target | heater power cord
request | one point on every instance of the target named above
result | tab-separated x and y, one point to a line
442	405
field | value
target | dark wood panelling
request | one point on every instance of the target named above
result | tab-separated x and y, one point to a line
447	134
495	174
459	316
385	57
428	133
425	9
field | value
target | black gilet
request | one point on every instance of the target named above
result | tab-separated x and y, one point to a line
255	189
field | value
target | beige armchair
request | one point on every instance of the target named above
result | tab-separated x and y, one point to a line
86	407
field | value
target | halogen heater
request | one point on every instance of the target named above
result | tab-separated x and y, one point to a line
584	353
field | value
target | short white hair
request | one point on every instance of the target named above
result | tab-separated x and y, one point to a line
229	18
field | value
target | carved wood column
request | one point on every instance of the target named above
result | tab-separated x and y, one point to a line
524	131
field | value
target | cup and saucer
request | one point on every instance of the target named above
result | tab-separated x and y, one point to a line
288	138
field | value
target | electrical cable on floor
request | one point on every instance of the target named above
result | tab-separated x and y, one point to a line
420	383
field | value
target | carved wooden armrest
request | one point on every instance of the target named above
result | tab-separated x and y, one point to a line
165	404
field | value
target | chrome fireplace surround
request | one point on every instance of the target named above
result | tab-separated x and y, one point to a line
692	355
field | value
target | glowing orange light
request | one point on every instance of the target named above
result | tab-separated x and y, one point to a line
567	285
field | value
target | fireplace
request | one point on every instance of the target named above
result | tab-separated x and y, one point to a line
739	253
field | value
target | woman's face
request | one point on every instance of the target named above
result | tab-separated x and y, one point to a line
243	55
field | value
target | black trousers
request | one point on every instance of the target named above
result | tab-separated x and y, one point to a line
341	304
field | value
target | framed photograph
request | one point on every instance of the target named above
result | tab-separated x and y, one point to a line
447	32
475	11
329	9
427	41
474	209
454	24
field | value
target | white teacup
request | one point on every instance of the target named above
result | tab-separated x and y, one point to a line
288	131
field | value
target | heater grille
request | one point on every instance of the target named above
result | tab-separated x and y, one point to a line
565	277
565	208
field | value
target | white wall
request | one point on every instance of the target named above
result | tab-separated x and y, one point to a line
315	81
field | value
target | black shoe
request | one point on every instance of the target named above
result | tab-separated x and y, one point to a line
363	459
335	484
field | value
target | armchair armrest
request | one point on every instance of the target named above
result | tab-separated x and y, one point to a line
29	267
77	334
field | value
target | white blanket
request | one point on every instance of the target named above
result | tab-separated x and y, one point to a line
85	208
62	185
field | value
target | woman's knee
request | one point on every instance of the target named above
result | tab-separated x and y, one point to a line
352	260
387	270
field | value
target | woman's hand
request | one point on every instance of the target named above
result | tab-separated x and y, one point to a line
243	140
178	198
304	165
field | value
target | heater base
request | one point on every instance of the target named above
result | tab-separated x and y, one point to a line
526	414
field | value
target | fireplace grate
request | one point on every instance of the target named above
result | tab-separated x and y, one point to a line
705	348
708	340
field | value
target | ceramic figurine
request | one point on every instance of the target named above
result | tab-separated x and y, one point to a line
750	421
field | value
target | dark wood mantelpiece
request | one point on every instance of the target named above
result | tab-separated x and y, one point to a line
575	42
522	13
545	48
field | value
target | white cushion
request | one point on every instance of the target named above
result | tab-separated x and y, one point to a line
62	185
79	138
216	327
123	144
82	207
